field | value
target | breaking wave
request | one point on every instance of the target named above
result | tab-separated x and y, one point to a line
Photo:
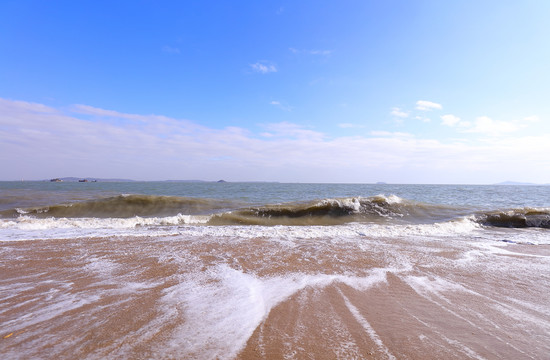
516	218
377	209
149	210
125	206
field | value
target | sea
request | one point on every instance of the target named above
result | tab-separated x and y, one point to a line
223	270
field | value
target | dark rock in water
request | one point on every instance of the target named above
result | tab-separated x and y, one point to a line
221	181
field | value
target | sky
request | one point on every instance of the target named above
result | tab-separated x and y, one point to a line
449	92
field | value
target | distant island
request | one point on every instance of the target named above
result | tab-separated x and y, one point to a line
190	181
515	183
93	179
87	179
72	179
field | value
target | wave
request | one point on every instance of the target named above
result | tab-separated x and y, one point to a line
125	206
342	210
377	209
172	210
28	228
516	218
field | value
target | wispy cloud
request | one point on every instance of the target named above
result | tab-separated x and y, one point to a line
263	67
399	113
425	105
486	125
111	115
51	142
350	126
380	133
450	120
282	106
170	49
532	118
311	52
290	130
90	110
423	118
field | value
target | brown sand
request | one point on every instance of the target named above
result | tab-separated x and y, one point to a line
132	298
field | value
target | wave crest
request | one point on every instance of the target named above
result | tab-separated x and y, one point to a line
381	209
375	209
516	218
125	206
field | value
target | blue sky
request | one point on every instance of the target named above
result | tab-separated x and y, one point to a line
297	91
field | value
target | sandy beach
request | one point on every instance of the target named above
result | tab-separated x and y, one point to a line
335	298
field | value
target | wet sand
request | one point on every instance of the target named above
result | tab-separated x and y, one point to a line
183	297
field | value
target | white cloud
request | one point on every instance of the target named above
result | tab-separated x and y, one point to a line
263	67
427	105
533	118
90	110
390	134
281	106
399	113
311	52
351	126
320	52
488	126
450	120
484	125
346	125
49	142
159	121
423	118
170	50
286	129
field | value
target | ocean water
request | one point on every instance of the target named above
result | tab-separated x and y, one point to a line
268	270
38	210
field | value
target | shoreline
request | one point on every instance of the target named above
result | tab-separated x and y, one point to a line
247	298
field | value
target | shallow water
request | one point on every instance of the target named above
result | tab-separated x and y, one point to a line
411	279
211	296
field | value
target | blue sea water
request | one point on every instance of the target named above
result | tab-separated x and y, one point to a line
38	193
31	210
268	270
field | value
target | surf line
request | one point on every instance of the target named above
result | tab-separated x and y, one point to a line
365	324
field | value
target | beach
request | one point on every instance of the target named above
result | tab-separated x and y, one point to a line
297	180
255	298
372	289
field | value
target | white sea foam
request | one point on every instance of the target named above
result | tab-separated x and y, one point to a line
57	304
242	301
30	228
391	199
425	286
351	203
456	228
31	223
368	328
